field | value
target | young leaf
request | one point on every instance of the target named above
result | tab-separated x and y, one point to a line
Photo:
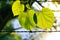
26	19
17	7
22	19
45	18
28	24
30	15
28	6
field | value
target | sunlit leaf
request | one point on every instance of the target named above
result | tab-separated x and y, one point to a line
17	7
30	15
28	6
22	19
26	19
45	18
29	20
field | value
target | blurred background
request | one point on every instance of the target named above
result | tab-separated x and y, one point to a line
10	29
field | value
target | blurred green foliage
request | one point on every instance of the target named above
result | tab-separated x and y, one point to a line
5	22
11	36
5	12
8	34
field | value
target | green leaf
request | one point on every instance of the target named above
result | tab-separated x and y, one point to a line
17	7
45	18
28	6
26	19
30	15
22	19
